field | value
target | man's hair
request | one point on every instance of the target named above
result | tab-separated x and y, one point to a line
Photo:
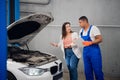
84	18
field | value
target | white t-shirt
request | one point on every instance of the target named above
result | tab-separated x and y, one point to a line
93	32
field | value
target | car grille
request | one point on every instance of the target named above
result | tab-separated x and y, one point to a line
60	67
58	76
55	69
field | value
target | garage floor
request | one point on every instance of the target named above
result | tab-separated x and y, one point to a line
82	77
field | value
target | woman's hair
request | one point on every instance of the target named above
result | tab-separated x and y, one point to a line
64	33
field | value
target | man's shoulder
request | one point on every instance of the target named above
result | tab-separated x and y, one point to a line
80	30
94	27
95	30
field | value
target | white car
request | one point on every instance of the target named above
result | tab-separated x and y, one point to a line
25	64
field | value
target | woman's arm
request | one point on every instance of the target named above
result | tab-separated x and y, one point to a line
57	44
75	38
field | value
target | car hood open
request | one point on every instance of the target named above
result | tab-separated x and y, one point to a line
25	29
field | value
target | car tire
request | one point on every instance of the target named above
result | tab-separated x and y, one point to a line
10	76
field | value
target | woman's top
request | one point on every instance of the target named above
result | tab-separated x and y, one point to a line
74	46
67	41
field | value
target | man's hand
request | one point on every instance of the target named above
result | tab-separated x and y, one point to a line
87	43
97	40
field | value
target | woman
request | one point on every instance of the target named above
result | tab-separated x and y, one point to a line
70	49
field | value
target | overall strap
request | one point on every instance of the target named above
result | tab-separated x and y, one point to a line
88	34
82	32
88	31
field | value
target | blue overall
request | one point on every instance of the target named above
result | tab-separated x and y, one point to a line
92	59
72	63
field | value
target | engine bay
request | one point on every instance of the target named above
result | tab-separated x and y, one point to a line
30	57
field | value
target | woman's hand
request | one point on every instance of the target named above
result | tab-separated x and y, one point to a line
54	44
68	46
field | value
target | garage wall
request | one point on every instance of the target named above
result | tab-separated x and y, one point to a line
103	13
99	12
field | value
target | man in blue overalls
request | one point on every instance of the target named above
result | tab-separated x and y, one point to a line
91	51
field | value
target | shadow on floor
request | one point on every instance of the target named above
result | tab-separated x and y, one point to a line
82	77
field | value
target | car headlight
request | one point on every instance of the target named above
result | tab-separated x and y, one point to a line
33	71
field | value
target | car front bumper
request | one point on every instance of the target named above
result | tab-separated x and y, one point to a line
45	76
55	73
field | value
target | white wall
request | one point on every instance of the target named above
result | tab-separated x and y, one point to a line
99	12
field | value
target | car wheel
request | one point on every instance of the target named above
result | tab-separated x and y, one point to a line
10	76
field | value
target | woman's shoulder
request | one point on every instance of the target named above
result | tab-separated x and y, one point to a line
61	36
75	33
